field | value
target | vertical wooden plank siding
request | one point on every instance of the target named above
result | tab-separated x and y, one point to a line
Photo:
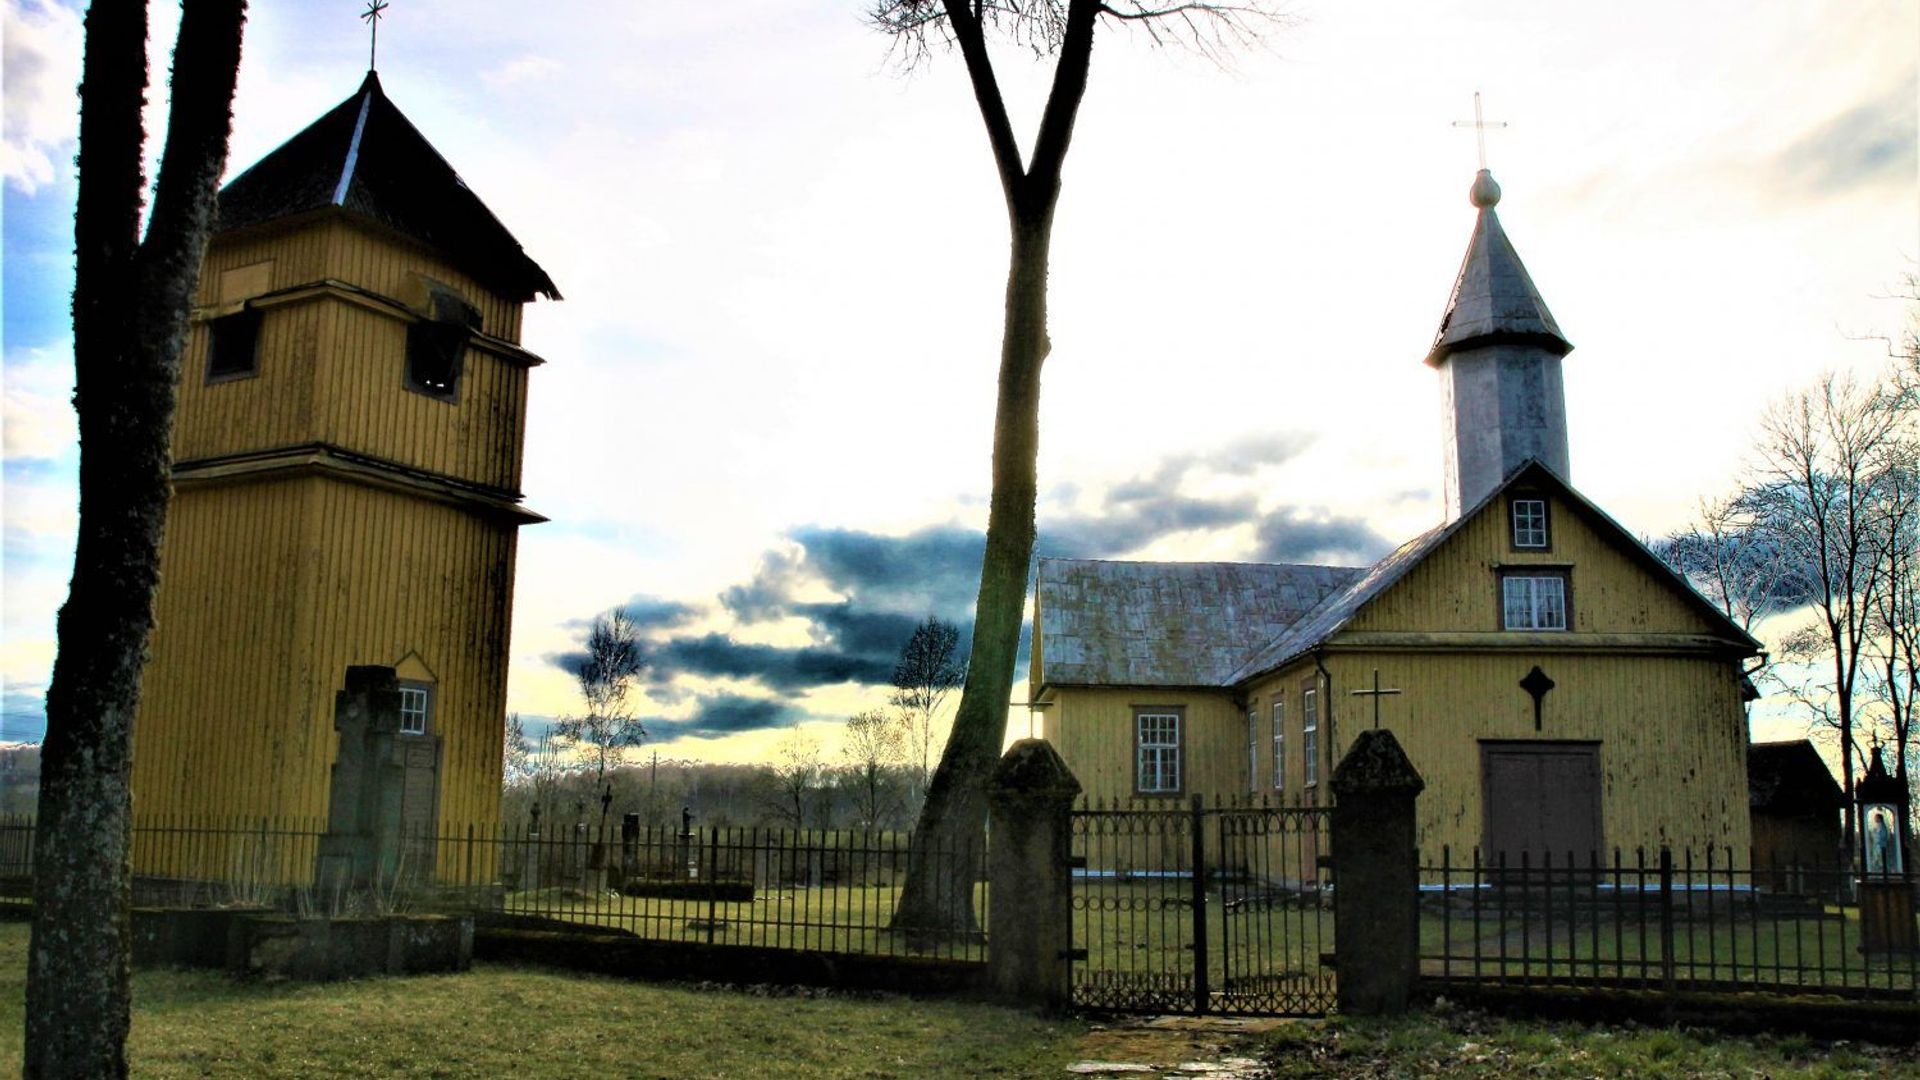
220	697
1456	588
274	583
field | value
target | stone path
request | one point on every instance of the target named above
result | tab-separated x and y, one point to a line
1167	1047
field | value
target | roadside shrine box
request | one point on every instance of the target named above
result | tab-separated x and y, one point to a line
1886	885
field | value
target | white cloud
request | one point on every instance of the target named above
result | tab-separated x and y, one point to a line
42	67
522	69
36	414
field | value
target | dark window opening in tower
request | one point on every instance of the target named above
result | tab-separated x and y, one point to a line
233	349
437	347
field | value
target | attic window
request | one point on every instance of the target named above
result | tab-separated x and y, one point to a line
437	346
1530	524
233	346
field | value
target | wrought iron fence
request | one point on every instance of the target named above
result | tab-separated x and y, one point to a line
817	890
1661	921
814	890
1202	909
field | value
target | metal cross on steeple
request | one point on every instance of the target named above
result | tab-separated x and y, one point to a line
371	17
1480	126
1376	694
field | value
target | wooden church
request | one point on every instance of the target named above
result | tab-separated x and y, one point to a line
347	456
1558	687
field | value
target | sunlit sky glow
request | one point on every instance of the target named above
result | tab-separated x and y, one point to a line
766	417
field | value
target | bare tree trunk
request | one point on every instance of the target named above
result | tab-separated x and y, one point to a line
131	300
939	886
938	892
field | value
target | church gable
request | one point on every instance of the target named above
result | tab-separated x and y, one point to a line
1537	557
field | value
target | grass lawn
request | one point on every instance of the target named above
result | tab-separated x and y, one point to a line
526	1023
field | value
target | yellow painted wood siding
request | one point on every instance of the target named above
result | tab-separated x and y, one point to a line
1672	735
395	575
1094	732
334	371
1456	588
222	724
271	590
363	404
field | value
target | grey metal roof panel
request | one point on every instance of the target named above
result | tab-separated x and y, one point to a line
1494	299
1168	624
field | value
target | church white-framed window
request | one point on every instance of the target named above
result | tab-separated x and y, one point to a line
416	707
1253	749
1280	746
1157	746
1529	518
1310	735
1533	601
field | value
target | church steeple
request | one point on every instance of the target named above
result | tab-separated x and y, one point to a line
1498	353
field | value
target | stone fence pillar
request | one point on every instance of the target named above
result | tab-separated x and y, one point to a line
1376	876
1030	920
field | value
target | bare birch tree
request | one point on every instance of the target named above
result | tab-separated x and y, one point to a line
608	727
938	894
873	745
1821	456
131	298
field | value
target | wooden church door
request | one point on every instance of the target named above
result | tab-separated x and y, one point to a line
1540	798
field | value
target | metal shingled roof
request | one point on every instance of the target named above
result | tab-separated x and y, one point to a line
1169	624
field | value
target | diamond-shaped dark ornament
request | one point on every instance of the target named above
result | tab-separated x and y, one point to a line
1537	684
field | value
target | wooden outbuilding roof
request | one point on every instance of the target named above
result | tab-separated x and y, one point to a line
1790	778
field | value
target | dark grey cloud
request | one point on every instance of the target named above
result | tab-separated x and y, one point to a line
1138	517
649	613
788	669
1871	143
1291	535
724	714
884	585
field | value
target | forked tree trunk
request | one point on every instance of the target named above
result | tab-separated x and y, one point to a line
937	896
938	893
130	305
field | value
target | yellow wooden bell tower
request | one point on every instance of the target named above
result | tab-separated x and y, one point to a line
347	458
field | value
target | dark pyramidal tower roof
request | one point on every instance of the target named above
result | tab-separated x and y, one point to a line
365	157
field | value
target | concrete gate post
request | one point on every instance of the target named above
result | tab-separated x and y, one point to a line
1030	921
1376	876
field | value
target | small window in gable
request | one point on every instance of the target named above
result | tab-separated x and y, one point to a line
437	346
1530	523
233	349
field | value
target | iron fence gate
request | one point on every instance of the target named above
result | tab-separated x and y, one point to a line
1221	909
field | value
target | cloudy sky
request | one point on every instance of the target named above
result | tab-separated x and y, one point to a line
765	422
